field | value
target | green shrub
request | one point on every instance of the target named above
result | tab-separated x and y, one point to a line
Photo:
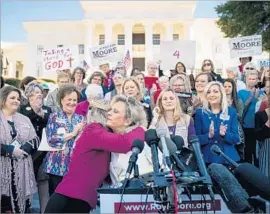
12	81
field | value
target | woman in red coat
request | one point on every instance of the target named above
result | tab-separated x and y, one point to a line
90	161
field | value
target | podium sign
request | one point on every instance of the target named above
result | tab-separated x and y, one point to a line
143	203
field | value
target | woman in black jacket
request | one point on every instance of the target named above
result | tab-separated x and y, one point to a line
38	115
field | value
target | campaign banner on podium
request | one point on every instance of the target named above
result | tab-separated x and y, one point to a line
66	57
105	54
246	46
177	51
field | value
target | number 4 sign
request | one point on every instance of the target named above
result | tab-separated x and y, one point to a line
176	54
175	51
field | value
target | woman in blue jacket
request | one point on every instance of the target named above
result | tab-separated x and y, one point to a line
216	123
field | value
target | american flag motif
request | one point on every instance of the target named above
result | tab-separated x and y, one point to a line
85	65
127	60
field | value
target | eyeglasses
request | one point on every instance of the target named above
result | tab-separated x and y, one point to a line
249	68
207	64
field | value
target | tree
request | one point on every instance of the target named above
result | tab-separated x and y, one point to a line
245	18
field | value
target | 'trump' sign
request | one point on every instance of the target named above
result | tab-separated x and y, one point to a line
246	46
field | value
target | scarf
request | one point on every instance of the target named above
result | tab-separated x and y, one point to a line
181	129
24	180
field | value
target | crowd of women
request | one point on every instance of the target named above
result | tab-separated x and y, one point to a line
92	126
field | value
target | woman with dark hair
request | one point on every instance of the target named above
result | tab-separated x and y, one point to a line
61	131
179	68
25	81
233	101
2	82
18	140
208	66
77	78
232	98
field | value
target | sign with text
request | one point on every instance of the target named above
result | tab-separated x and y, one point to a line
264	63
104	54
177	51
59	58
246	46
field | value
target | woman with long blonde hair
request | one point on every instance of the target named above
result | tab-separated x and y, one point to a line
216	123
168	113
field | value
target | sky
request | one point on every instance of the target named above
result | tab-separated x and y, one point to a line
14	13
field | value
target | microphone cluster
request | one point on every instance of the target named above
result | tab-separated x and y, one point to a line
241	185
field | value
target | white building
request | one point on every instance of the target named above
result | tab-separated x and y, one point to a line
137	26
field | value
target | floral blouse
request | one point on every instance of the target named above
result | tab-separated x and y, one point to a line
57	162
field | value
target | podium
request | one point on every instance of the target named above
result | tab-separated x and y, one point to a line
142	201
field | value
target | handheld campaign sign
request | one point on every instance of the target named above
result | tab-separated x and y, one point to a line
246	46
104	54
53	59
175	51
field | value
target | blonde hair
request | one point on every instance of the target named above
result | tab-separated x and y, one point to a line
185	78
134	110
178	112
224	102
97	115
62	74
133	79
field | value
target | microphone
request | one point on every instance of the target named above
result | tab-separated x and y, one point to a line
137	147
194	140
172	148
151	139
178	141
236	197
161	133
253	180
217	151
249	176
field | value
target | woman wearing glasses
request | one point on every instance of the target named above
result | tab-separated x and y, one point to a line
208	66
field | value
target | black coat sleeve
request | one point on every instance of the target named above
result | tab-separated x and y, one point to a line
262	132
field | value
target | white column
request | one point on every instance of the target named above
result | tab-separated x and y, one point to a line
128	42
108	32
187	31
88	42
148	43
12	69
169	32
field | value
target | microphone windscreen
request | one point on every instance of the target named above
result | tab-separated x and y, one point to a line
216	150
236	197
161	131
253	180
193	139
170	145
138	144
151	136
179	142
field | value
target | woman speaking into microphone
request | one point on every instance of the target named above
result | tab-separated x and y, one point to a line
90	161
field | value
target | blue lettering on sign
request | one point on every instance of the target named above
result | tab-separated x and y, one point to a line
264	63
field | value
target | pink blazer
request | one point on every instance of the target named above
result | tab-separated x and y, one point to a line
90	161
82	108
